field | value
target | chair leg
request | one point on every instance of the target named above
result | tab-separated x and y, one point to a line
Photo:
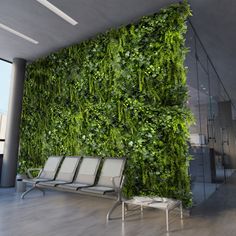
27	191
40	189
31	189
116	204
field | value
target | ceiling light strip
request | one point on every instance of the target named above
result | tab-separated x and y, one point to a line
57	11
10	30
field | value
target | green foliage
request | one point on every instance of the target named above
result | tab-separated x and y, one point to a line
121	94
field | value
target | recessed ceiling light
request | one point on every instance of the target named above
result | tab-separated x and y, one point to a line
2	26
57	11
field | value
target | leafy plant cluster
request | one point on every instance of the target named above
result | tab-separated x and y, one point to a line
122	93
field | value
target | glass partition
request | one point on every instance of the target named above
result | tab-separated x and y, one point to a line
5	77
212	137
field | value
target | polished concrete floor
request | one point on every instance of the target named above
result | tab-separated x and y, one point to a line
202	191
67	214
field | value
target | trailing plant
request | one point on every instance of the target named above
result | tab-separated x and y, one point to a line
122	93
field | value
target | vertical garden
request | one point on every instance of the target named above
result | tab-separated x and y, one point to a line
122	93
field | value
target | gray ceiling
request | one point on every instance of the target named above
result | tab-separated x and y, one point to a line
214	20
31	18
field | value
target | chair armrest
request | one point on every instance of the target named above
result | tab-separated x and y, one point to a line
29	172
115	186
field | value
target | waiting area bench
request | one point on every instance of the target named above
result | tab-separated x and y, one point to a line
84	175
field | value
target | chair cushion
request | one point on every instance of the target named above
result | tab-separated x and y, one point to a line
51	183
98	189
72	186
36	180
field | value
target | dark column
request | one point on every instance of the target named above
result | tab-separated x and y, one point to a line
11	147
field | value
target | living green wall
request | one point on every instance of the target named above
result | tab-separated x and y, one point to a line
122	93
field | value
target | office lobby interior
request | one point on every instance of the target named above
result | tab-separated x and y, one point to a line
151	82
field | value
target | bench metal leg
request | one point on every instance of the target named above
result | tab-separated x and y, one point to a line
116	204
31	189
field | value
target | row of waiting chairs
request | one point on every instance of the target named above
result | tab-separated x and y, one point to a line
80	174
